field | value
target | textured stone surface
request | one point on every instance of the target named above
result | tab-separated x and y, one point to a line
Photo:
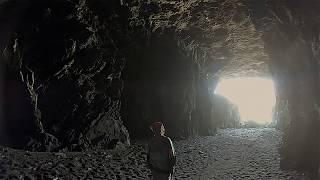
160	85
185	46
222	31
65	57
292	43
70	55
224	113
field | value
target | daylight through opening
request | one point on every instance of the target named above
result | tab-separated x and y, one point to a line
255	97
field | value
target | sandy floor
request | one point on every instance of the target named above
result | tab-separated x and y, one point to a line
232	154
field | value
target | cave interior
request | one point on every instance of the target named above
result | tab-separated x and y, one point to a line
82	74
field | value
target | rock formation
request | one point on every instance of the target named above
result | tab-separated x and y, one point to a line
297	76
79	74
292	41
224	113
63	68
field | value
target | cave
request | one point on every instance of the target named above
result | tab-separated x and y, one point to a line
80	79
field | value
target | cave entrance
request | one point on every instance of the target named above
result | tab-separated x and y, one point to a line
255	97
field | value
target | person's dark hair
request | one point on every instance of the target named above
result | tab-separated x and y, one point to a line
156	127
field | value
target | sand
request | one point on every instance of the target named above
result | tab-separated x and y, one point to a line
230	155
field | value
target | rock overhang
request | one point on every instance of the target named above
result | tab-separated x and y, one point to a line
222	30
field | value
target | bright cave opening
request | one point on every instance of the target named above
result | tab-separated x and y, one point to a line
255	97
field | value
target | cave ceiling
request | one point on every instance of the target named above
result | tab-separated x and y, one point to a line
222	29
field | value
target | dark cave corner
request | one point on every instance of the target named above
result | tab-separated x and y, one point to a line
80	75
68	101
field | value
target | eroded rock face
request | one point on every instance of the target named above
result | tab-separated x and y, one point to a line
292	41
182	48
163	82
160	86
225	114
221	31
65	57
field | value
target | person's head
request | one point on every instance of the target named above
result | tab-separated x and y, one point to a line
158	128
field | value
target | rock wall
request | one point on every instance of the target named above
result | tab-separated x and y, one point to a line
224	113
64	61
164	82
291	35
281	116
63	73
161	85
180	49
293	45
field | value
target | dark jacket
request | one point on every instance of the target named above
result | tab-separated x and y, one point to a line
161	154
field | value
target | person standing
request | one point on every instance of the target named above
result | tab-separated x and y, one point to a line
161	156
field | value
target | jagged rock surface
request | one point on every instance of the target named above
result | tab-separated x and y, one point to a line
65	57
292	41
224	113
185	46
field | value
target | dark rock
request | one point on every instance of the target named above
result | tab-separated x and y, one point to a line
293	48
69	54
43	142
